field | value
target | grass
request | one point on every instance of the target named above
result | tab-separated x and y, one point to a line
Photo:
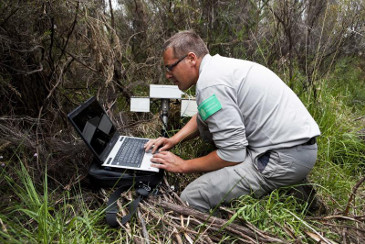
32	212
341	157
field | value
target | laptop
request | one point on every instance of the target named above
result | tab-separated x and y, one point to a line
109	147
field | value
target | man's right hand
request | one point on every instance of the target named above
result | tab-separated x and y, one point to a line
161	143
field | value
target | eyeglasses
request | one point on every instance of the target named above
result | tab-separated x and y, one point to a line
170	67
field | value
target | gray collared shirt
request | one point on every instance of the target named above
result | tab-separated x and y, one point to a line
259	111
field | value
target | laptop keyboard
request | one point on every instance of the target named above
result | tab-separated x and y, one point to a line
131	153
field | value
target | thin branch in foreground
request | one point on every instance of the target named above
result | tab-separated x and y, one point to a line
314	234
352	196
241	231
144	228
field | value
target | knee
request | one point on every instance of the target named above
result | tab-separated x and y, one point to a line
193	197
185	197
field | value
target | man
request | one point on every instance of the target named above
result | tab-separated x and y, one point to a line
265	137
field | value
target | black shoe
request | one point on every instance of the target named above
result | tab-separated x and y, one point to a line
305	193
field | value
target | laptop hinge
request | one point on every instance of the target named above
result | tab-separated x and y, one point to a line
110	146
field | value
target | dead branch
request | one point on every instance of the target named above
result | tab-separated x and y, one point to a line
144	228
352	196
39	69
111	14
338	217
70	32
178	229
241	231
81	62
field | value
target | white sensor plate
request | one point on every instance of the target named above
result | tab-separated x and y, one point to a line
188	108
165	91
140	104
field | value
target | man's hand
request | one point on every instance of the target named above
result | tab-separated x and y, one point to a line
168	161
161	143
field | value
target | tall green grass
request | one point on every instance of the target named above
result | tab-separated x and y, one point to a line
341	157
35	214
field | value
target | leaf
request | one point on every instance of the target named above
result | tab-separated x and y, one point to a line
318	238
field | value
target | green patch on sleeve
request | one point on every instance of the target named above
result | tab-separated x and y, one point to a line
209	106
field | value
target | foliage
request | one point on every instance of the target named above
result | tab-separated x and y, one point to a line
69	50
55	54
36	215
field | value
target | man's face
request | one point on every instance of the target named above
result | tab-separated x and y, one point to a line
180	70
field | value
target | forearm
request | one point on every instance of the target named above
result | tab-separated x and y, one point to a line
189	131
206	163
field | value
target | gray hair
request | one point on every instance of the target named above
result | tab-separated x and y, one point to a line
184	42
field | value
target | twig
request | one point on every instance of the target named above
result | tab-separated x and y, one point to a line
73	181
352	218
144	228
352	196
177	236
174	193
311	228
344	235
39	69
359	118
79	61
317	237
70	32
213	228
345	227
238	230
207	238
3	227
177	229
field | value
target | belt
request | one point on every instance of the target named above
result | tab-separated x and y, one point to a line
311	141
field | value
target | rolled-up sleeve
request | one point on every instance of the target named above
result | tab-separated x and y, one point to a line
227	124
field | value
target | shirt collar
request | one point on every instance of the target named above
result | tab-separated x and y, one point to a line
204	61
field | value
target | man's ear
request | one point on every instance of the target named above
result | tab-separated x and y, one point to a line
192	58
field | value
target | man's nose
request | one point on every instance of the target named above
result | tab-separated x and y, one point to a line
168	75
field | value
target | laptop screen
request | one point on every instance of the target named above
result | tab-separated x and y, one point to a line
94	125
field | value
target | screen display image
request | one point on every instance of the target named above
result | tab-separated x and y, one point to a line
95	126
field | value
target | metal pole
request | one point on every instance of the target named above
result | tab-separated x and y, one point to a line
165	105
